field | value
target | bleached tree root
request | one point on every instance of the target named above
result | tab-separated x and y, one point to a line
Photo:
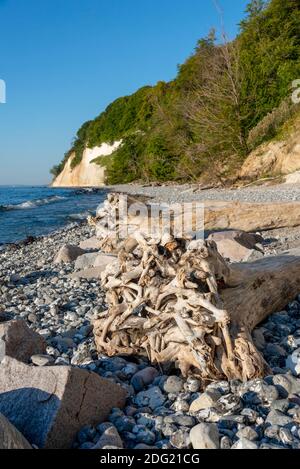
180	302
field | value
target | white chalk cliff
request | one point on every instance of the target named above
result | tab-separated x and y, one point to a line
86	173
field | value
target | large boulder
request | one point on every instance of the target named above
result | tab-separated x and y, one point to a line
86	261
49	405
10	437
91	243
94	260
88	274
68	253
18	341
237	246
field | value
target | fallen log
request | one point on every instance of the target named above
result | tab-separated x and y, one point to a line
179	302
121	215
220	215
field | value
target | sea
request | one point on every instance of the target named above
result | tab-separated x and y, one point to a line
39	210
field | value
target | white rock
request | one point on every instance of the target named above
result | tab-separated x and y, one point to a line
293	362
205	401
153	398
243	443
205	436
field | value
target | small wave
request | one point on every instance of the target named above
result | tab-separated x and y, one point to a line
79	216
31	203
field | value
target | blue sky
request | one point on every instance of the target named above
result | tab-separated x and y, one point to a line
64	61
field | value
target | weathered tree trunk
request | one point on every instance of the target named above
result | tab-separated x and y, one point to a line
254	291
180	302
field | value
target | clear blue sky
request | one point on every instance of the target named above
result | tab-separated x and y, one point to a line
64	61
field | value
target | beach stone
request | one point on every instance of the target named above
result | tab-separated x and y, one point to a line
207	400
257	392
63	343
68	253
293	362
238	246
145	436
174	384
86	261
250	414
18	341
103	260
205	436
10	437
88	274
168	429
181	438
153	398
221	386
94	259
286	436
272	432
181	420
270	446
243	443
276	417
181	404
110	437
287	384
145	419
32	318
229	404
143	378
192	385
49	405
87	433
42	360
91	243
248	433
282	405
225	443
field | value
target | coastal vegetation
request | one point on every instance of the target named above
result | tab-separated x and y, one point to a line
228	98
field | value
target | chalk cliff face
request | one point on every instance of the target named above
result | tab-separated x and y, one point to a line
87	173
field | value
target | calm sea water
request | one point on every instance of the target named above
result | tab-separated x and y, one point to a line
34	211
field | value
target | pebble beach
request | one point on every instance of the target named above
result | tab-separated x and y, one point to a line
162	411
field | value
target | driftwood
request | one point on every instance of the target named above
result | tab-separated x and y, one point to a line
186	305
178	301
114	217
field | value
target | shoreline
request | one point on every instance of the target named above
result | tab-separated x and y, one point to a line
287	237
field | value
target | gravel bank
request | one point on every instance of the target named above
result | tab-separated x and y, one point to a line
191	193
